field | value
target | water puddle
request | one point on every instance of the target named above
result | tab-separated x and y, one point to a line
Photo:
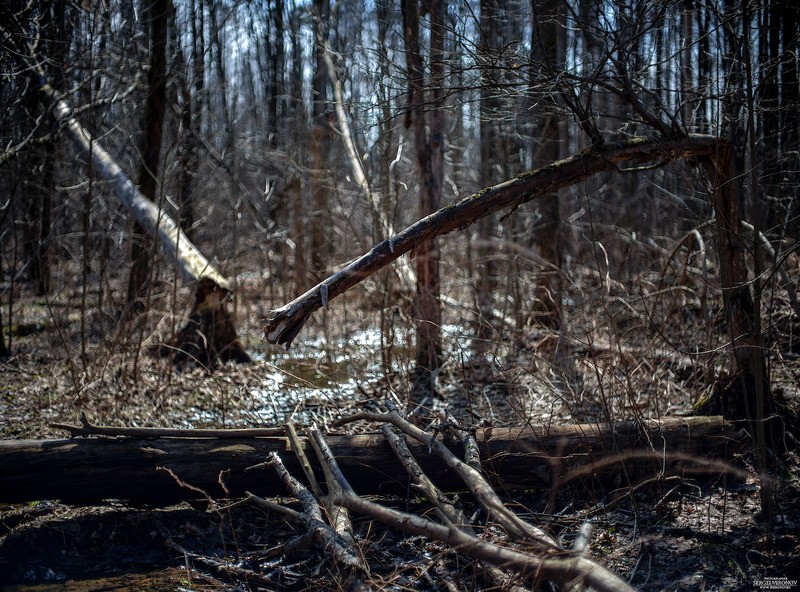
317	376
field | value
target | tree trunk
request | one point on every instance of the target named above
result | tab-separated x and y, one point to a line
285	322
299	124
429	148
485	259
90	470
550	51
156	13
790	112
4	351
190	126
321	246
212	288
738	396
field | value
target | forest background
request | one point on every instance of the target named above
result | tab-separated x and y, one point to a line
287	138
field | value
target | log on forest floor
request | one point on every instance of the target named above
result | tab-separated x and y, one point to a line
88	470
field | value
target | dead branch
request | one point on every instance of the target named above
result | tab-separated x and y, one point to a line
342	550
88	429
561	569
472	478
566	569
339	517
300	454
446	510
420	482
285	323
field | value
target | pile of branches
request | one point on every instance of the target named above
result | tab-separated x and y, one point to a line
506	551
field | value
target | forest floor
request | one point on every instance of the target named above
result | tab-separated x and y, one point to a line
675	534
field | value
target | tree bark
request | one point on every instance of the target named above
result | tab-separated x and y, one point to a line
321	245
90	470
428	131
218	339
188	259
285	323
485	264
549	49
156	12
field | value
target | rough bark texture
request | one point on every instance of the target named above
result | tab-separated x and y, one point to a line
427	123
156	12
737	396
89	470
321	244
549	49
485	263
285	323
209	336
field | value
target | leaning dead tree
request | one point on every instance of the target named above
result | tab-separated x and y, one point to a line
712	156
285	323
210	334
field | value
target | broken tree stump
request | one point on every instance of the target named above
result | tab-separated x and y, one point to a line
209	335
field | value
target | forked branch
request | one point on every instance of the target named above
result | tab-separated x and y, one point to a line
551	564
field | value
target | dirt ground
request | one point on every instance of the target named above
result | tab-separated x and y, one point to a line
678	536
673	534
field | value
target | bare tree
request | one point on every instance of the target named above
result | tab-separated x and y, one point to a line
426	119
156	13
321	245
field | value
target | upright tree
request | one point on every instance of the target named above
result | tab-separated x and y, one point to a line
425	117
321	245
489	112
191	81
548	47
156	14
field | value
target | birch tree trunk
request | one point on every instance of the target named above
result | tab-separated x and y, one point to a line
187	258
210	334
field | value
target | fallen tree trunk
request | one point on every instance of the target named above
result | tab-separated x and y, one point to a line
210	333
285	322
179	249
90	470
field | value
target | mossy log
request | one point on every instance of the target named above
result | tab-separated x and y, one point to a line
88	470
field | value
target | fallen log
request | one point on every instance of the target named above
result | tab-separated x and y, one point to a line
88	470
